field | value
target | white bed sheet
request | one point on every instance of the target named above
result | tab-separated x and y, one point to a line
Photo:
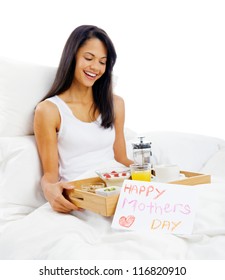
45	234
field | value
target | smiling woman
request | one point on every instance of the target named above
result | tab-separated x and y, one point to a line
80	103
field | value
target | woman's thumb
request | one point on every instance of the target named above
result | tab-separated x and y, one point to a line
68	187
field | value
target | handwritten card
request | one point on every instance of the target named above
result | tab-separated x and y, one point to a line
156	207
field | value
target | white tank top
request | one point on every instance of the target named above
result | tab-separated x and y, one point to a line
81	145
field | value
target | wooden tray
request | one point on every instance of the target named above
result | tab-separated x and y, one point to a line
106	206
193	178
103	205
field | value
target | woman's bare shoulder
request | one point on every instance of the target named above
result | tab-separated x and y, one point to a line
45	105
118	101
46	110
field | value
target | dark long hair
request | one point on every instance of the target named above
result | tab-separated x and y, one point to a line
102	88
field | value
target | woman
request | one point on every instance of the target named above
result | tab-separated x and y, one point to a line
79	124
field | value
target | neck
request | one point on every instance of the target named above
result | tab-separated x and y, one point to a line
80	93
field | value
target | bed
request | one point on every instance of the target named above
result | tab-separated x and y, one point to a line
31	230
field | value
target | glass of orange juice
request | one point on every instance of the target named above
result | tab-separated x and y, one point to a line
141	172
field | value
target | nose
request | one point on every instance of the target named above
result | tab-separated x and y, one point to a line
94	65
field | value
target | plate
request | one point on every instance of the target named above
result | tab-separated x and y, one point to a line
114	176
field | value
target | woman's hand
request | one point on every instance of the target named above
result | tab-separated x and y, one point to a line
53	193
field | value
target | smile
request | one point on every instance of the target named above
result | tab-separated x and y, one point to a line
89	74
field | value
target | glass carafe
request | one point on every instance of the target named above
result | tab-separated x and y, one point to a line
142	151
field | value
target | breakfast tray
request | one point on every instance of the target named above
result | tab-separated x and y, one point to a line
106	206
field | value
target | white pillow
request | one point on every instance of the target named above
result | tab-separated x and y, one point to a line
189	151
22	86
216	164
20	172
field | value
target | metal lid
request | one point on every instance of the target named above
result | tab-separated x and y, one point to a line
141	144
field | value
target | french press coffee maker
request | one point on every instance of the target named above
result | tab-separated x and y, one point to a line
142	152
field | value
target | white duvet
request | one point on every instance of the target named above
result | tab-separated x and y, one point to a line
30	229
45	234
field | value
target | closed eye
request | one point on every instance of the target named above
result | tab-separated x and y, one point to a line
102	62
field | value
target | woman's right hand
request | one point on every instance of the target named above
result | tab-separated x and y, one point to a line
53	192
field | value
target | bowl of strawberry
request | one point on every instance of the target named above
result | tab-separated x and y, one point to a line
114	176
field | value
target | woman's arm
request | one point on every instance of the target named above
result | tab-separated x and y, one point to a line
119	146
46	124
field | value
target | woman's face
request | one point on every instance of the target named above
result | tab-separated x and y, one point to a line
90	62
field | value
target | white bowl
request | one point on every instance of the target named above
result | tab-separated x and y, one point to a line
108	191
114	176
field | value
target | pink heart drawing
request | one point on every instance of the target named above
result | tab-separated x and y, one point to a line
126	221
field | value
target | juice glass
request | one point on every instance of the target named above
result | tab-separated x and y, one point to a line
141	172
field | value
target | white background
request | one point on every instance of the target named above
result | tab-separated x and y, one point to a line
171	54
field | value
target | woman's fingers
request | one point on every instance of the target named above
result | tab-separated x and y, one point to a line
60	203
54	194
68	205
